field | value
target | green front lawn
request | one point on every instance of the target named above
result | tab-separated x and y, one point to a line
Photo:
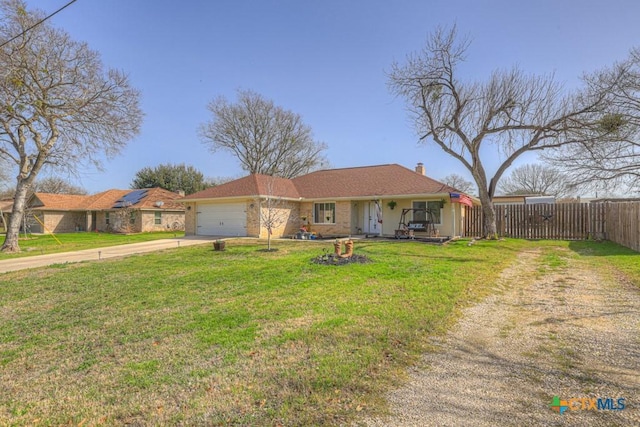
65	242
240	337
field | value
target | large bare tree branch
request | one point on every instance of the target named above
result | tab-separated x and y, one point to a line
607	153
265	138
509	114
60	109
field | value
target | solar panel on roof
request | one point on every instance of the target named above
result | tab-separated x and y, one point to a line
130	198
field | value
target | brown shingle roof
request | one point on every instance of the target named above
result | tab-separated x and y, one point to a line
367	181
356	182
59	202
250	186
105	200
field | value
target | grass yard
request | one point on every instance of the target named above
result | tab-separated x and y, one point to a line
42	244
618	260
240	337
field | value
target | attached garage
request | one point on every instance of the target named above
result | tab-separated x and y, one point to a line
221	219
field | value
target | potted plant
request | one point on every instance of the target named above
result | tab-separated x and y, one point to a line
219	245
392	204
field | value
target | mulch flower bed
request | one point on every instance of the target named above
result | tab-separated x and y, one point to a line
333	259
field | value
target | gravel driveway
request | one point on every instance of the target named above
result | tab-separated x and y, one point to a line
549	331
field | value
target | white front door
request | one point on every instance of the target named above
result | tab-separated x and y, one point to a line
370	220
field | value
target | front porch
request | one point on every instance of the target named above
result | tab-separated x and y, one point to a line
417	217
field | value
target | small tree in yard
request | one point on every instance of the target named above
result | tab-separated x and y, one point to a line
507	115
123	220
272	216
60	108
274	211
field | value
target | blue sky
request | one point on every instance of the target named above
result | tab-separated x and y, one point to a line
325	60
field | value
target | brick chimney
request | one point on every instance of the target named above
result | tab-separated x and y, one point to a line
420	169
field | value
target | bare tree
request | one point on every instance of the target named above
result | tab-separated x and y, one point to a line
60	109
56	185
53	185
459	183
535	178
265	138
124	219
272	216
508	115
274	211
612	158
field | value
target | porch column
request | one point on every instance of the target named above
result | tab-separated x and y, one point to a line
453	219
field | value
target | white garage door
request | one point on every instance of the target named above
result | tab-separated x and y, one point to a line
222	219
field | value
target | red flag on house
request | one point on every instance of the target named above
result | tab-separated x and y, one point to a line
461	198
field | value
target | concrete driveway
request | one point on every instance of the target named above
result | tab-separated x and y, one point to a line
102	253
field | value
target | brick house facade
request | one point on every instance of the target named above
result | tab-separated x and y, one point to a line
153	209
334	202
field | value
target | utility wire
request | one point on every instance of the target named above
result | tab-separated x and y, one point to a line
37	23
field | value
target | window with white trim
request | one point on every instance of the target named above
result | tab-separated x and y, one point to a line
324	213
157	219
433	207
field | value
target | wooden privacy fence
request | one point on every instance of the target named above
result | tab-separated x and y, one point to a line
623	223
615	221
567	221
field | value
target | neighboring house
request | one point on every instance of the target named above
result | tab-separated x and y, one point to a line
333	202
540	200
510	200
153	209
523	199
